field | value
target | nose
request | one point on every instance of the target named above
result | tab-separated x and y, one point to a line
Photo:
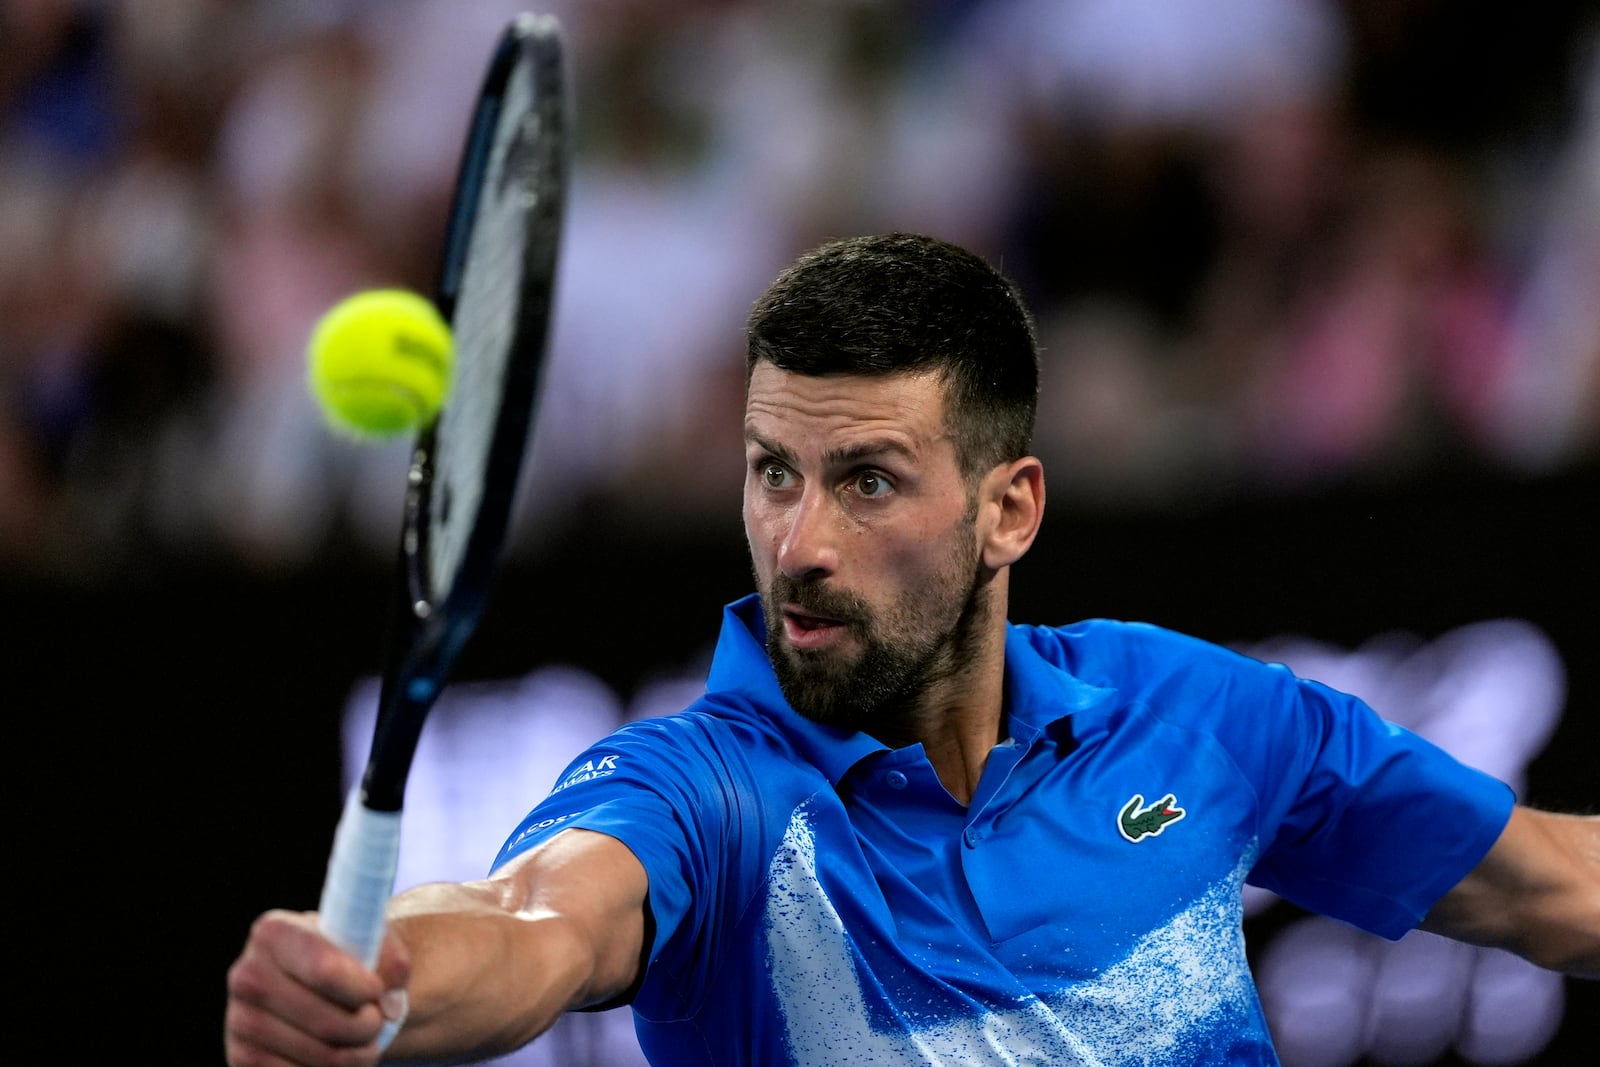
809	549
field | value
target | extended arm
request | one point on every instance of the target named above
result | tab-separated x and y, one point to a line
1537	893
486	965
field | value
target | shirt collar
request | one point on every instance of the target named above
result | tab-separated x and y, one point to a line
1038	692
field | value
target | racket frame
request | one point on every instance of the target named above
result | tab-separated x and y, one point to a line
431	623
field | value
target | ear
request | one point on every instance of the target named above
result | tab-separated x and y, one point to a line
1011	506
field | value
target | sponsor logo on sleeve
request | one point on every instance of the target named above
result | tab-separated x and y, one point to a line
588	771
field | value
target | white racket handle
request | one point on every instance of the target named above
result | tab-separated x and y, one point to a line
360	881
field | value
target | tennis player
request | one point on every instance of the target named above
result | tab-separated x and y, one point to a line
900	828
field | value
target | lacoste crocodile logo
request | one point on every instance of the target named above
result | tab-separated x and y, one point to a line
1138	821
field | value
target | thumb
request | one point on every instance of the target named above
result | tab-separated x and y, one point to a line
396	1006
394	968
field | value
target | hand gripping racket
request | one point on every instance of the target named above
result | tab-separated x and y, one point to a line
495	290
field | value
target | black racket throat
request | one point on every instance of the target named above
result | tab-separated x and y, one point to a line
409	690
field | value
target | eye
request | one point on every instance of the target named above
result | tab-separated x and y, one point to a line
871	484
774	475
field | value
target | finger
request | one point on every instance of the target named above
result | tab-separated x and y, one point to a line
293	943
256	984
294	993
253	1037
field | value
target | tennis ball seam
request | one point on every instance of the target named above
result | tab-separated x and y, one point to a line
381	362
434	357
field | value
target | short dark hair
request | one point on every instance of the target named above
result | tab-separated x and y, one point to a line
900	302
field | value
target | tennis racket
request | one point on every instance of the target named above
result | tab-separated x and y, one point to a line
495	289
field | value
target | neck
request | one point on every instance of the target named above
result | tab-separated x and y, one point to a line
961	717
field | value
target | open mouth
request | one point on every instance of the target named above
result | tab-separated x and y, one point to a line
806	630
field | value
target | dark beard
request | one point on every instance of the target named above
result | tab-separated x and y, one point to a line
898	662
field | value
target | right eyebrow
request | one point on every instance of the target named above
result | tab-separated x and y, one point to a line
770	447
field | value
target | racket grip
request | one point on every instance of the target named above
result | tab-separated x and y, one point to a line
360	880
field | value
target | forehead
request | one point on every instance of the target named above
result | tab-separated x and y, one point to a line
787	408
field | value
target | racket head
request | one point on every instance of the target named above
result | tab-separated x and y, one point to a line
496	289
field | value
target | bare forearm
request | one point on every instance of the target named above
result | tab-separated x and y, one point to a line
1569	939
495	963
486	978
1537	894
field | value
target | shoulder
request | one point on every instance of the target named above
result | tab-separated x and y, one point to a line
1150	672
1112	652
711	742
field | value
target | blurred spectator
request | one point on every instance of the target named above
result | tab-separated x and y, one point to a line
1126	105
1547	411
1394	336
101	338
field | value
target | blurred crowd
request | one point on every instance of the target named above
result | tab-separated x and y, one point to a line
1273	245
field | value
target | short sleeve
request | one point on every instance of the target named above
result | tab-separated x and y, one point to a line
1364	820
670	791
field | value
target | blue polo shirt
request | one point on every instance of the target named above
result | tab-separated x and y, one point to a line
820	899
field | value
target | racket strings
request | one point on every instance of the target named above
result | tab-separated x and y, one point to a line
485	328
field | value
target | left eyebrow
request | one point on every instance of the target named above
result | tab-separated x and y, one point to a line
867	450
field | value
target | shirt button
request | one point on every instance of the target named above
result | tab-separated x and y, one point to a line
896	779
972	836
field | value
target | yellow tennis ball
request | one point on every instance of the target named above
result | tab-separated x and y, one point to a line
380	363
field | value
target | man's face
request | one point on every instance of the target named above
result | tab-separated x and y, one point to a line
862	539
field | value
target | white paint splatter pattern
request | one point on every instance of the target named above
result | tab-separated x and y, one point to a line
1158	1007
